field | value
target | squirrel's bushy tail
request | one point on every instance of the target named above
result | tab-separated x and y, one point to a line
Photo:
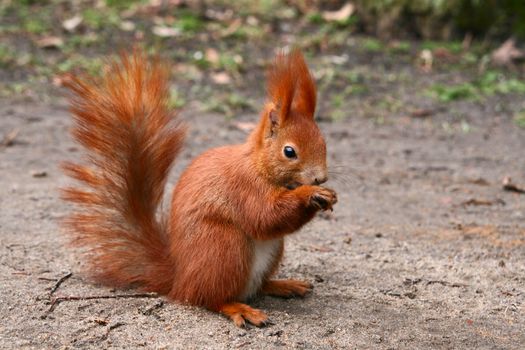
131	139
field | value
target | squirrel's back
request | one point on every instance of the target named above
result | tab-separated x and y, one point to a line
211	184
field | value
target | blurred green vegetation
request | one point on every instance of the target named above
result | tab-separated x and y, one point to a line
519	119
490	83
443	19
366	58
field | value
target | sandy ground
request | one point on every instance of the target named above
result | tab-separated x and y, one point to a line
424	250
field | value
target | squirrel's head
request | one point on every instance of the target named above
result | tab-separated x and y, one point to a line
290	148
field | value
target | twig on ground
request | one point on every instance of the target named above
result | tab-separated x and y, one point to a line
59	282
509	186
151	309
446	284
58	300
112	327
390	292
478	202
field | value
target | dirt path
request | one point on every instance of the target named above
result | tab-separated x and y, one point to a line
424	250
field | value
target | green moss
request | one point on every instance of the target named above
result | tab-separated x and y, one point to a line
356	90
98	19
75	42
519	119
337	100
92	66
230	62
490	83
247	32
175	101
452	46
123	4
7	56
338	115
188	22
35	26
400	47
229	105
315	18
448	93
493	82
372	45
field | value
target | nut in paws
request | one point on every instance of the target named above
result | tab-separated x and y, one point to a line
323	198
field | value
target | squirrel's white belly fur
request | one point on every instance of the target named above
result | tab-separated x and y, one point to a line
264	254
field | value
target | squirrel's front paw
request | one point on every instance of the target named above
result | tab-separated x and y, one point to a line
323	198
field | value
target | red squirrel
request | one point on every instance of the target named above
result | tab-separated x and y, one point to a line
223	239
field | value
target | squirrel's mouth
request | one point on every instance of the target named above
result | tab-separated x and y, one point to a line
293	185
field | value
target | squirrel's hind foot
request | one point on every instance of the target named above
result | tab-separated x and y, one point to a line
240	313
287	288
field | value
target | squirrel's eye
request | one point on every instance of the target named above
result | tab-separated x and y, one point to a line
289	152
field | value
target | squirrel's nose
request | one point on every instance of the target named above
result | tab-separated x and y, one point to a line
321	179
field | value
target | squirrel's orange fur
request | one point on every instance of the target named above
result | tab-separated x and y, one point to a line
223	238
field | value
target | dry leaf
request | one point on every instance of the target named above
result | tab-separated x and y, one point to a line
9	139
232	28
253	21
245	126
139	35
340	15
212	55
507	53
71	24
49	42
165	32
467	41
221	78
426	58
60	79
421	113
127	26
479	181
443	53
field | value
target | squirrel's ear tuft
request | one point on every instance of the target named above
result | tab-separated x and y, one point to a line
281	86
305	97
291	86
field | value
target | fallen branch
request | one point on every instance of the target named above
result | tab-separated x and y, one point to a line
58	300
